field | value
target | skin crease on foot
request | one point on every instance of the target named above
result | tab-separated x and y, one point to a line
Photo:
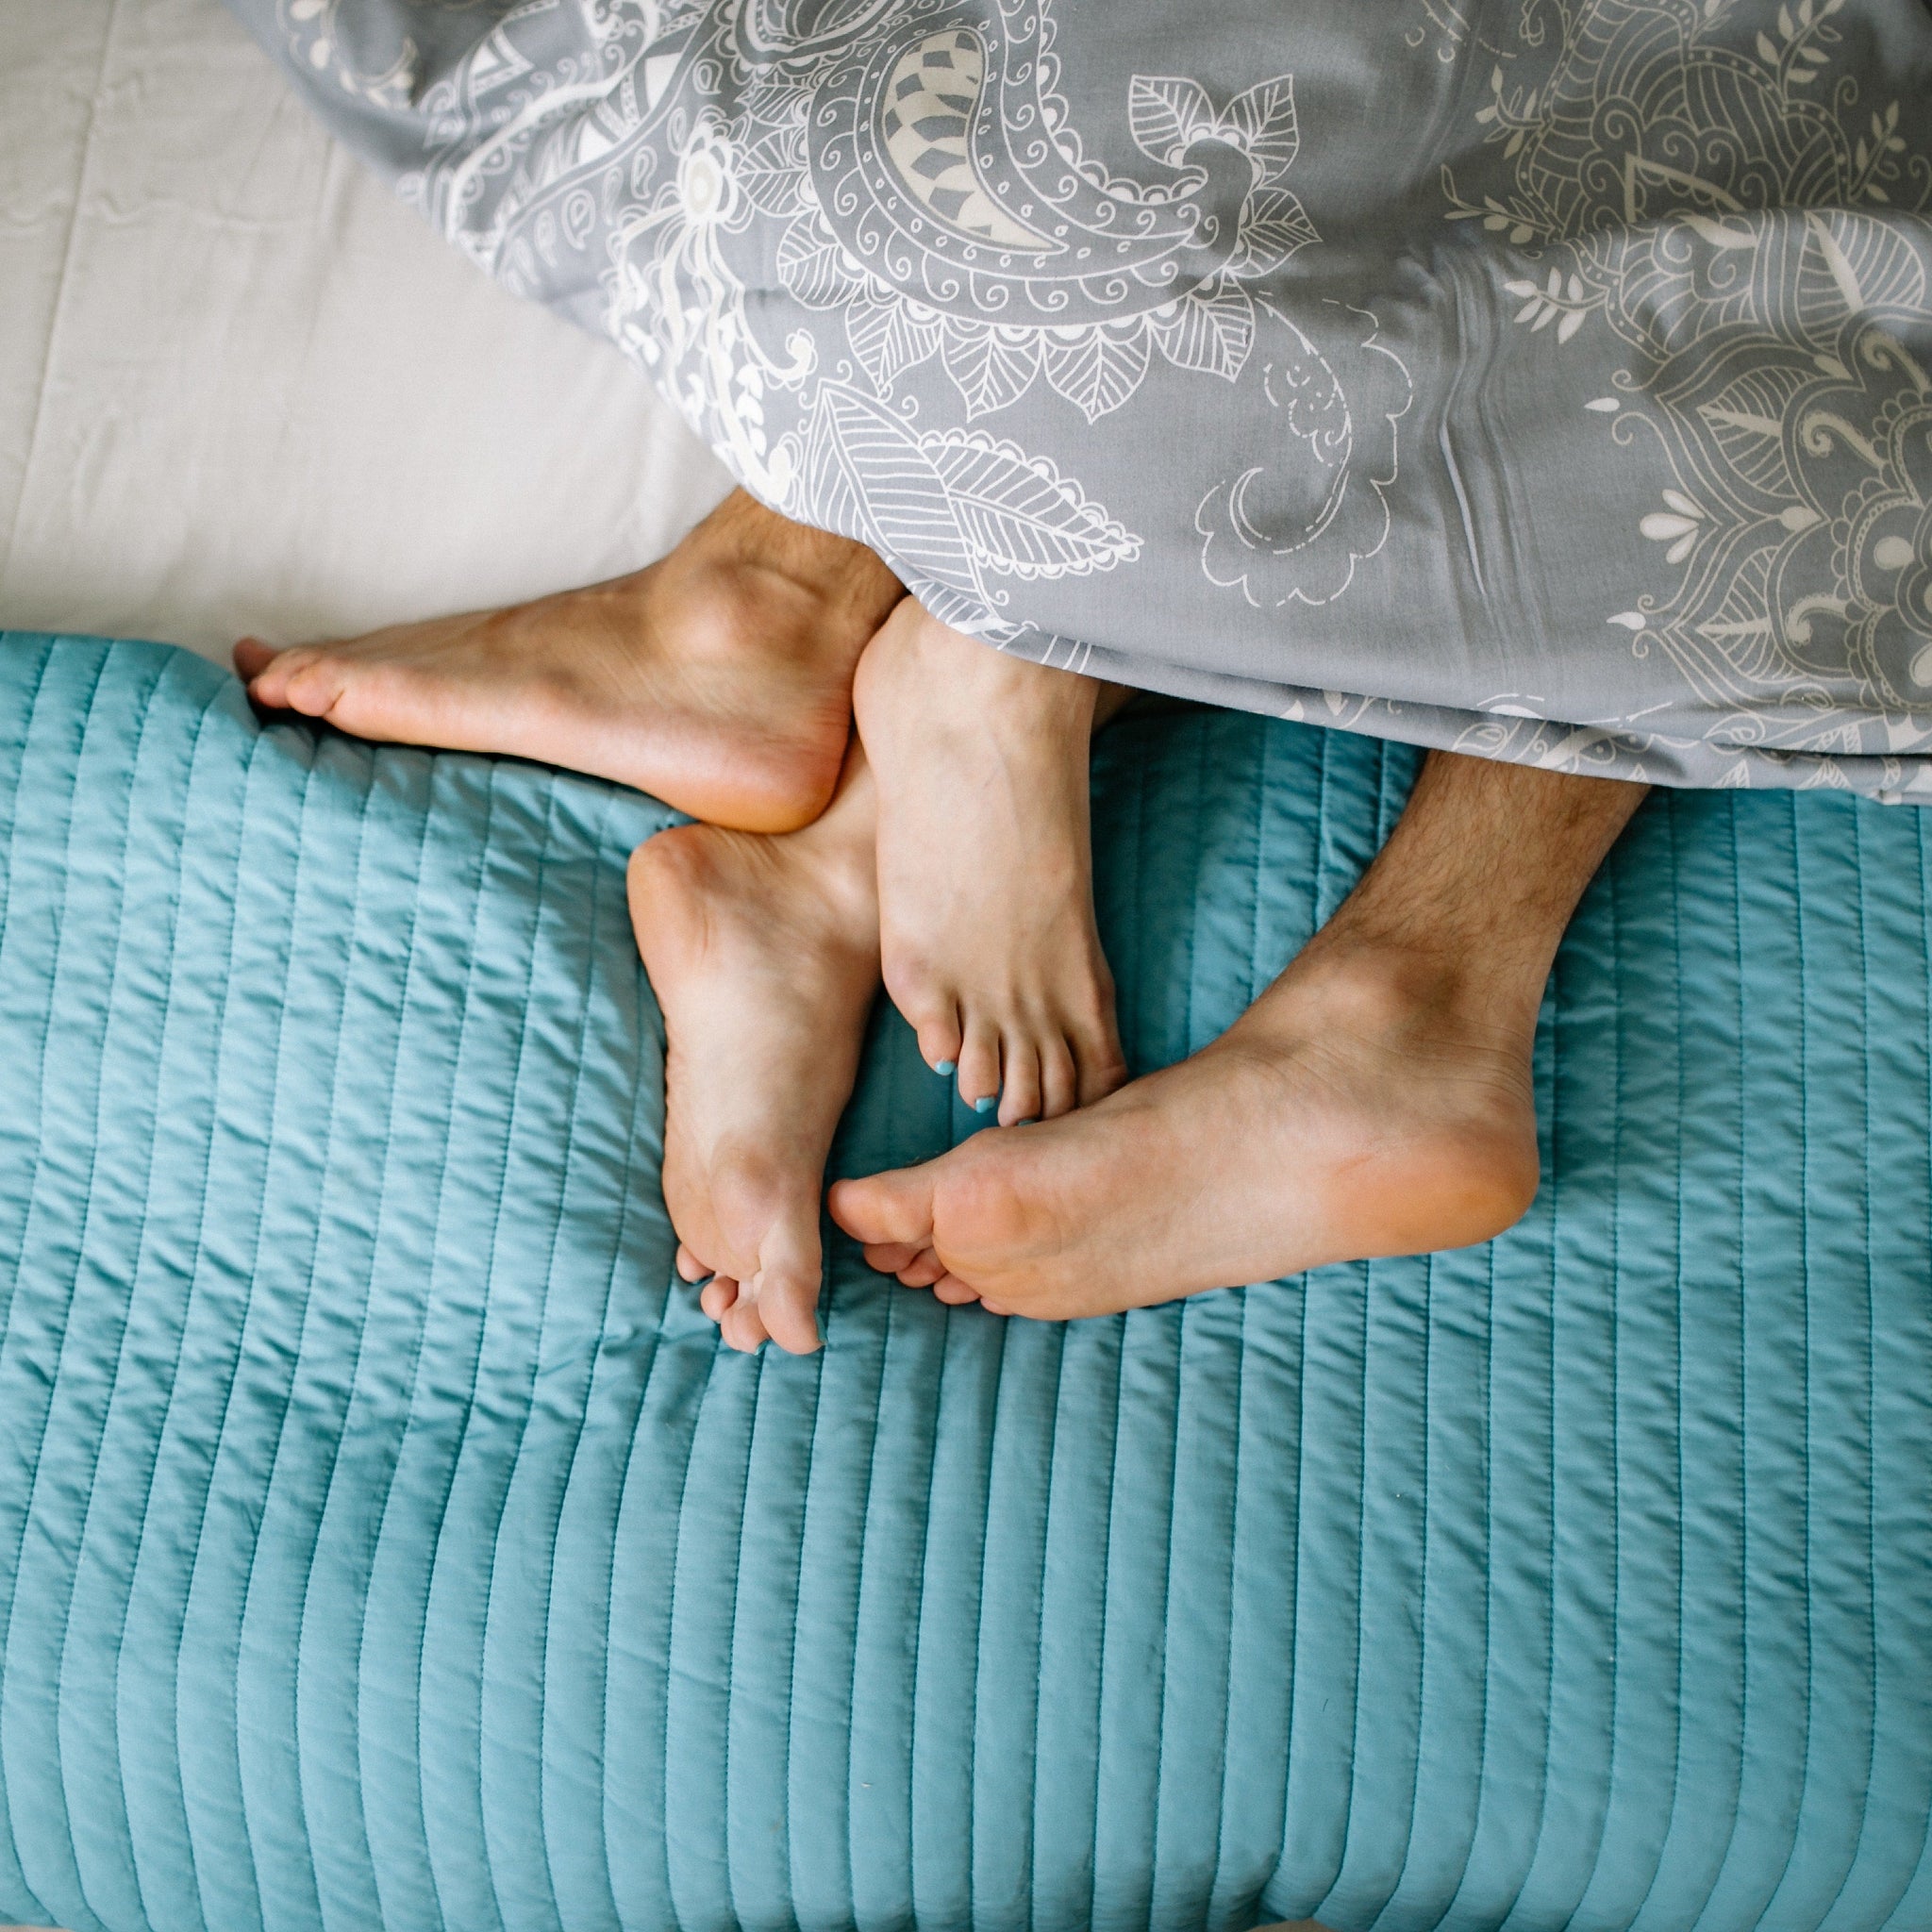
718	679
1375	1100
985	890
763	953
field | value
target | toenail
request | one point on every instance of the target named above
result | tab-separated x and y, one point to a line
1032	1120
945	1068
983	1106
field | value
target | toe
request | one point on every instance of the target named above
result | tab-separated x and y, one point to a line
881	1208
786	1288
953	1292
1019	1080
1060	1080
314	687
1100	1066
742	1326
939	1037
688	1266
252	658
922	1270
979	1065
719	1297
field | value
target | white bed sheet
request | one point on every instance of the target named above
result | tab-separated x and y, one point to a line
244	390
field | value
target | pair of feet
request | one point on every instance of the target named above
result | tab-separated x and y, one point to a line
1375	1100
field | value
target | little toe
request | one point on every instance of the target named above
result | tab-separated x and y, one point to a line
1020	1082
689	1267
979	1066
744	1327
313	686
252	658
922	1270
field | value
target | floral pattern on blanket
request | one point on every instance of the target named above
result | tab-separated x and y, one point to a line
1545	378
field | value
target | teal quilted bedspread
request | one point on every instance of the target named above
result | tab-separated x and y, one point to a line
385	1539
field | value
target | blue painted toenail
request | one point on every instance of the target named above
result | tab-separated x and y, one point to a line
1032	1120
945	1067
982	1105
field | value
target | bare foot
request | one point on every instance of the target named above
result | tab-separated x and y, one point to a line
1375	1100
718	679
765	955
986	882
1358	1108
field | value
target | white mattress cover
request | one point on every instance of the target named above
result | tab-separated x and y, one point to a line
243	390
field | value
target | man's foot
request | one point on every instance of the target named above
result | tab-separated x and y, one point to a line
1375	1100
985	867
1356	1109
718	679
765	955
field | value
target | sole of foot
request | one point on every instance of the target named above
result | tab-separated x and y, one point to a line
1354	1111
988	940
763	953
719	679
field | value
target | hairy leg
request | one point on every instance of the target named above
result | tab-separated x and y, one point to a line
719	678
986	879
1375	1100
763	952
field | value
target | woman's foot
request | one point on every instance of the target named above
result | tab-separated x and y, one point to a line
765	955
1375	1100
718	679
985	868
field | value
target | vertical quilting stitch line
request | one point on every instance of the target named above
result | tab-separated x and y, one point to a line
872	1464
81	1244
434	1538
416	1365
1858	822
1720	1864
1619	1114
1234	1517
626	1194
1671	828
1059	1369
134	1555
378	1514
315	1261
648	1367
751	1436
1805	1279
221	1433
1166	1612
508	1483
918	1633
598	912
670	1618
220	1035
1138	846
287	1400
9	800
163	1023
1558	975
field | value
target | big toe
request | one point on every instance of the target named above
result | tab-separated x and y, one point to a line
891	1210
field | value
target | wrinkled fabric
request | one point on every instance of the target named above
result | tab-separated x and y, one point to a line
1544	378
386	1540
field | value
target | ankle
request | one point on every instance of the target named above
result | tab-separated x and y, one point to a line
741	535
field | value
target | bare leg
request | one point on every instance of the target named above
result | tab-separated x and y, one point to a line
1375	1100
985	864
764	954
719	678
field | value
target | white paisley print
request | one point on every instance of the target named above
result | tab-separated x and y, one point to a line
1550	379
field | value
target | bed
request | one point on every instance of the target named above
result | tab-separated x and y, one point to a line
384	1537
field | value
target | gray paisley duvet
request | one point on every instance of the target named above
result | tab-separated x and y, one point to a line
1545	378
